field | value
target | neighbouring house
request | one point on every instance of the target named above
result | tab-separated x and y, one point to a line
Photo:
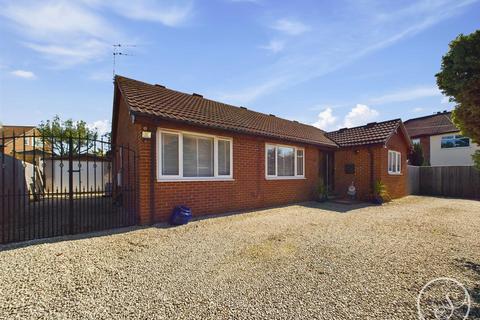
441	140
214	157
23	147
376	151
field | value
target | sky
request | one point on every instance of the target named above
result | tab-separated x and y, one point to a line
331	64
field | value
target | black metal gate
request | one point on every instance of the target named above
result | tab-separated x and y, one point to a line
54	186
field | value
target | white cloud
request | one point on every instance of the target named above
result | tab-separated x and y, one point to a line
445	100
406	95
170	14
66	56
290	27
75	32
358	116
326	121
53	19
418	110
102	126
274	46
251	93
64	32
337	44
24	74
361	114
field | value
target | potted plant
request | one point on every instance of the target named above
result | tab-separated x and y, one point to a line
322	192
380	193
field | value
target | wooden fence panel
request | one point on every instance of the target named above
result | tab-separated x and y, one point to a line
413	181
452	181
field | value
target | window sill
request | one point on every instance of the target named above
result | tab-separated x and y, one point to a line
285	178
453	148
395	174
194	179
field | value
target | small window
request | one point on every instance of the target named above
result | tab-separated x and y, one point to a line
284	161
170	154
223	157
394	162
26	141
271	160
416	141
299	162
455	141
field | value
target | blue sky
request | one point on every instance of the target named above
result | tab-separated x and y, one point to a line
327	63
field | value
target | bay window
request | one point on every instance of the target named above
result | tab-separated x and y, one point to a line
284	162
191	156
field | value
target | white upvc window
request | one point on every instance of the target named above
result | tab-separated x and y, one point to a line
193	156
394	162
284	162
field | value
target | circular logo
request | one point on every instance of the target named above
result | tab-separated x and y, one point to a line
443	299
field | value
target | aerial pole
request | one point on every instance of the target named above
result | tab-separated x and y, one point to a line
117	51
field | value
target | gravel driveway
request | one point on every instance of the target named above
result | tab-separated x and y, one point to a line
310	261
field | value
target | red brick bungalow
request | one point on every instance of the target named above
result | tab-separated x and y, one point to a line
218	158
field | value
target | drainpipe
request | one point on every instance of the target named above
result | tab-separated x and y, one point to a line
153	158
372	168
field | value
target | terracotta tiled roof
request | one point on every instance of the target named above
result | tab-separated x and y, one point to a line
438	123
371	133
158	101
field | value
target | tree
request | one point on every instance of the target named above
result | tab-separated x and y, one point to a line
57	134
416	157
459	79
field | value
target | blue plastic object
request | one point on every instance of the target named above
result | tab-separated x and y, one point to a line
180	215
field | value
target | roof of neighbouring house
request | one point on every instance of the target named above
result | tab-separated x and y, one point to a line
438	123
162	103
371	133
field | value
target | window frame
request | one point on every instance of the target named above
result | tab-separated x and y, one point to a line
397	163
180	133
276	176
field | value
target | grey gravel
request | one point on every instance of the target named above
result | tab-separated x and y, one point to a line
308	261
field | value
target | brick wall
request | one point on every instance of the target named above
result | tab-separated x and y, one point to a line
19	145
129	135
361	158
396	184
248	190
